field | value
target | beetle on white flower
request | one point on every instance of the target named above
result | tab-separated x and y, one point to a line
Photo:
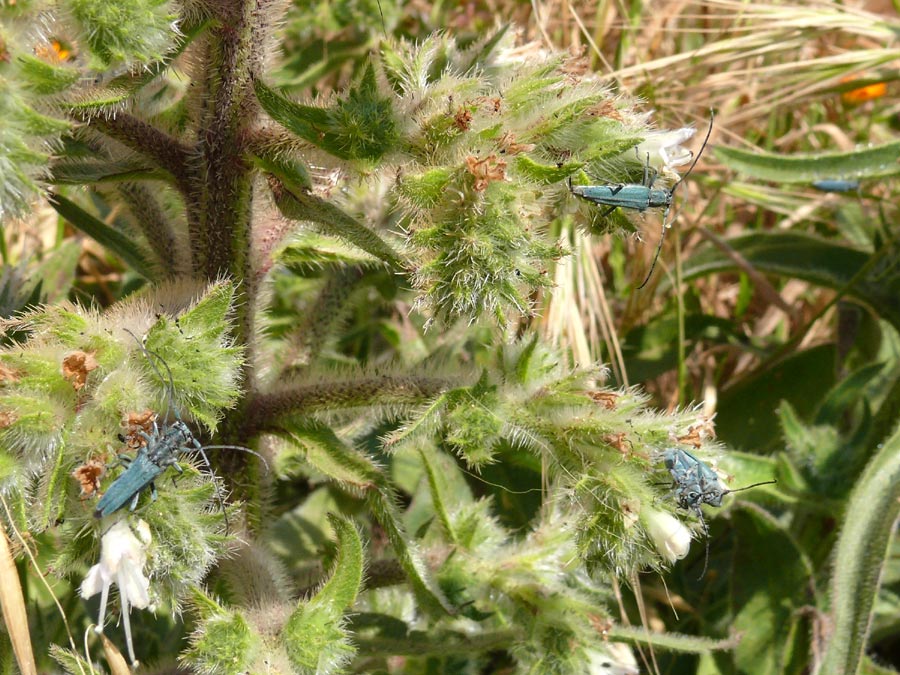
663	149
123	555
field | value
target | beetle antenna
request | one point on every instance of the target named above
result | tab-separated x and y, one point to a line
712	116
706	536
747	487
242	449
662	238
170	391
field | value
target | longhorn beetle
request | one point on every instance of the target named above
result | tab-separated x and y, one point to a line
835	185
161	451
695	483
640	197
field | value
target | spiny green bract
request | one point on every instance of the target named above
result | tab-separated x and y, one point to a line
488	140
482	141
223	644
23	150
138	31
314	636
317	642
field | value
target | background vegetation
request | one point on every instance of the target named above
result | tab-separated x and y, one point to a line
344	236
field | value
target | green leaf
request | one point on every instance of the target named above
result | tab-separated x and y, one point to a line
119	89
44	78
850	390
869	667
112	239
203	364
299	72
341	589
482	55
70	661
876	162
359	126
747	417
91	171
546	174
95	99
223	642
860	556
315	255
138	31
443	487
748	468
674	642
293	173
821	262
334	221
314	636
769	596
358	473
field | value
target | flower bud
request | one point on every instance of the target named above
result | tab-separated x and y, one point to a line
670	536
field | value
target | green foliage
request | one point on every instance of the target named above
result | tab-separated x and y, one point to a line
223	642
77	384
315	636
877	162
137	32
360	126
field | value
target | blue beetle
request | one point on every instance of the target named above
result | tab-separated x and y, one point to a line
694	483
640	197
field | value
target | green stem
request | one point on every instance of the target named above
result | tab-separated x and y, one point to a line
860	557
167	152
266	409
234	56
154	224
438	643
683	395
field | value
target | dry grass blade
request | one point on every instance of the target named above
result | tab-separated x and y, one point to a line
751	57
12	601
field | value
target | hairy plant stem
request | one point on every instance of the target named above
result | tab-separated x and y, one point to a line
437	643
379	574
308	337
860	556
166	151
151	218
266	409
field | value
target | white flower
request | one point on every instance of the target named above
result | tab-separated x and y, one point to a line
670	536
122	558
615	658
663	148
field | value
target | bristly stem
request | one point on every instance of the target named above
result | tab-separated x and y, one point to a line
265	409
164	150
223	190
153	221
861	554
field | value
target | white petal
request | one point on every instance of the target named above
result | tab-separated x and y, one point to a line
119	542
133	585
663	148
93	582
670	536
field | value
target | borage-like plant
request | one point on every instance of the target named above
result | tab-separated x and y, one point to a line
291	256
